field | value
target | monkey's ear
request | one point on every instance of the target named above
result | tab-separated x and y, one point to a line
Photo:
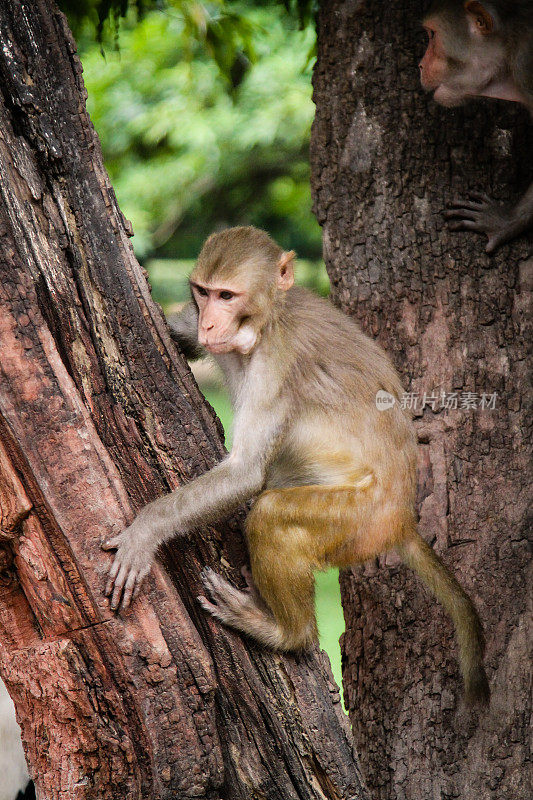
286	270
480	17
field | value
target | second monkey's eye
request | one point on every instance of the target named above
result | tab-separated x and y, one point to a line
226	295
201	291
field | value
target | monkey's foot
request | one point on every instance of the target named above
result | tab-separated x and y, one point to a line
228	604
481	214
239	609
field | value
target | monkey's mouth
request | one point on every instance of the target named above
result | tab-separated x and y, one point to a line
218	347
448	97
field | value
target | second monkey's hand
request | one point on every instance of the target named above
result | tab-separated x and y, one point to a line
481	214
135	550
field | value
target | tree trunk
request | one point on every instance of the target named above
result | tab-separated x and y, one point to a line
385	162
98	415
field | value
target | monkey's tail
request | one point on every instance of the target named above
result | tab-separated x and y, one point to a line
421	558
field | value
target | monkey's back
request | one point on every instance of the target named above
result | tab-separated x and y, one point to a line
330	355
333	374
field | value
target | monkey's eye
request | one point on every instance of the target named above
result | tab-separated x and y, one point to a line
226	295
201	291
430	33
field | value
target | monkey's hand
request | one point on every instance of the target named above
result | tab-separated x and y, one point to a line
135	548
481	214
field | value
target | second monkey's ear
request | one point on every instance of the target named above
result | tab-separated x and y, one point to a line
286	270
480	17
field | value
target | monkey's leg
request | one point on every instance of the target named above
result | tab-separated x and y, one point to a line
291	532
291	597
285	581
347	528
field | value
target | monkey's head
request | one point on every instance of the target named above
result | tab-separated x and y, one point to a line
238	279
465	53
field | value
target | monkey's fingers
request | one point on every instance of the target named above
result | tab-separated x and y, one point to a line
228	613
466	224
113	572
140	575
462	212
207	605
481	197
129	589
212	582
465	205
227	600
120	580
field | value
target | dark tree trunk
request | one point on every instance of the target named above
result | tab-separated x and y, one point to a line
385	162
98	415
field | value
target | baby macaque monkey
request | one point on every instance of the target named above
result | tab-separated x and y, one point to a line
482	49
333	476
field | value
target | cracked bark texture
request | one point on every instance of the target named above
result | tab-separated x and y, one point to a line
385	162
99	414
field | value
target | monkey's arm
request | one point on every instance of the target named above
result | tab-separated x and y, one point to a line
211	496
184	330
501	223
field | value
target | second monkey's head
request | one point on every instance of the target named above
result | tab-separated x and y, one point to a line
238	279
469	49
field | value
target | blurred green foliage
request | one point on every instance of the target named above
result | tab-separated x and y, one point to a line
187	153
217	25
213	22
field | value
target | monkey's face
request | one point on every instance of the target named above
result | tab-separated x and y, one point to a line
235	303
464	54
442	68
224	320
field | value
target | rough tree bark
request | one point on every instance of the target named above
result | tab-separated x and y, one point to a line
98	415
385	162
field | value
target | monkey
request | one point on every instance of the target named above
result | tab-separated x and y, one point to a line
482	49
331	476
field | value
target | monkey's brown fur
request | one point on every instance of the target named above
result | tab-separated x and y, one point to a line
334	477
